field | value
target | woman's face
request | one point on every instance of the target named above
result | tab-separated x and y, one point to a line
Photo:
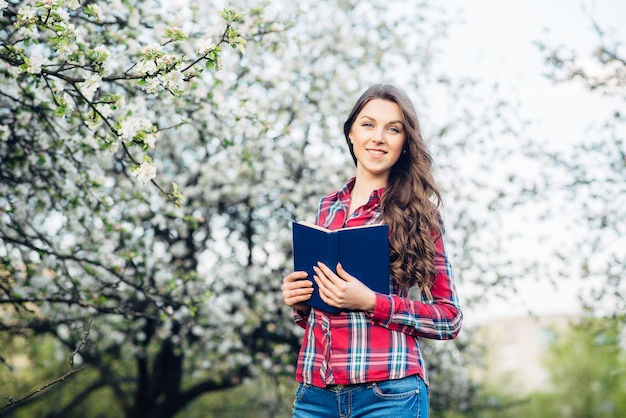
378	136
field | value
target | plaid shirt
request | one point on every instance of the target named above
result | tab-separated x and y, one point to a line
358	347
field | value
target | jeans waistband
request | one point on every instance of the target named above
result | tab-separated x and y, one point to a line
349	386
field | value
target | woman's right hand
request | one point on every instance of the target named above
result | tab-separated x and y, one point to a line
296	290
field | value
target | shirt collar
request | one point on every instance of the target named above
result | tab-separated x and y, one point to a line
344	192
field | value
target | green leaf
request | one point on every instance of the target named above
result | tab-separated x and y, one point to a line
60	110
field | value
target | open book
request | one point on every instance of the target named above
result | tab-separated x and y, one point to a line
363	252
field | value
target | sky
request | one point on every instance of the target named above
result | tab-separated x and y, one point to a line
494	40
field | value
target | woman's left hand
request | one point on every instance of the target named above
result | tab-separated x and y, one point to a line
343	290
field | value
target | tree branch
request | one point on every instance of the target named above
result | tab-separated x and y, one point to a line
11	402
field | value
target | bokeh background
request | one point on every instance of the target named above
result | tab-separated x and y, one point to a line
154	153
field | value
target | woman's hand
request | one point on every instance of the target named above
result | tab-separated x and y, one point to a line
296	290
342	290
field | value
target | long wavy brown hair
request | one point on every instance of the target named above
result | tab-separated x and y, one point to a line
411	202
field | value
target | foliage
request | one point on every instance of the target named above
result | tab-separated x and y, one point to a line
588	370
40	359
100	99
69	61
86	92
102	104
105	103
587	376
589	178
264	397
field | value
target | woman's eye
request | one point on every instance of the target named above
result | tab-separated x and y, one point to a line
394	129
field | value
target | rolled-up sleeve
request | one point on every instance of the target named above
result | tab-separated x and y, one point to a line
438	318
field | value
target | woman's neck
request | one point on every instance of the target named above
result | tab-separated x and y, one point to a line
363	188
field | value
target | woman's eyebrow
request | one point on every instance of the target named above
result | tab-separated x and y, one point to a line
374	119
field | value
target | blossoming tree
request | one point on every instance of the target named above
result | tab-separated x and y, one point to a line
86	91
148	178
589	176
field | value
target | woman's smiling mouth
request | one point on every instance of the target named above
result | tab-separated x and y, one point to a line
376	151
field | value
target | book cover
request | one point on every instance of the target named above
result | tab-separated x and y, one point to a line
362	251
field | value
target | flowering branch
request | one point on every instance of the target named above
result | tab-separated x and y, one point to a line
46	45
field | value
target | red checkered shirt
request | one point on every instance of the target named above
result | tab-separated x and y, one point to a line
359	347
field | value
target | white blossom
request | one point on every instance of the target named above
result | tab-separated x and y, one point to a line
153	49
145	172
26	14
150	140
92	84
108	200
103	50
113	147
94	123
64	16
73	4
120	102
204	46
132	125
173	80
97	11
148	67
3	4
166	60
28	32
91	141
105	109
65	50
34	64
69	103
153	85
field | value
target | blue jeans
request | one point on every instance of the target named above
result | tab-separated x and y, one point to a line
402	398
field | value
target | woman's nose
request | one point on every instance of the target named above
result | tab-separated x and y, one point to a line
379	135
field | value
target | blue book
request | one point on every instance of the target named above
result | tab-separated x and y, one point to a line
363	251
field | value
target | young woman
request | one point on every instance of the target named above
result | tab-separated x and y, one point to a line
366	360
